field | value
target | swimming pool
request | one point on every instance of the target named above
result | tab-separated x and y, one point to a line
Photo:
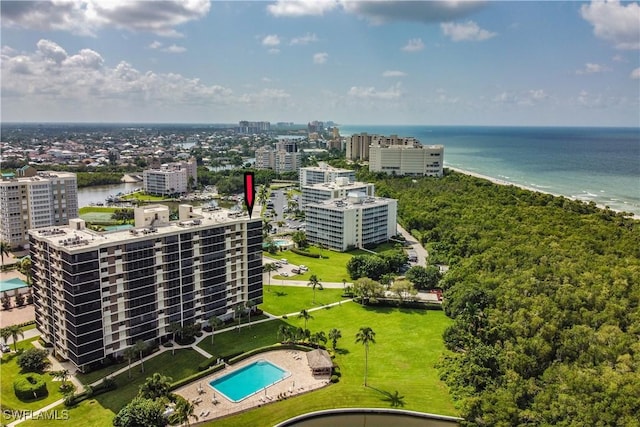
11	284
246	381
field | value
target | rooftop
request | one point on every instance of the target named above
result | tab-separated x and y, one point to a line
78	237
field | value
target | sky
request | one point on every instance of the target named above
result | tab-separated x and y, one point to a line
512	63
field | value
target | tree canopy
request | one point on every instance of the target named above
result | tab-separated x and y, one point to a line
543	292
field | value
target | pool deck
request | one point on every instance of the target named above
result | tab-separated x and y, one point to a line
300	381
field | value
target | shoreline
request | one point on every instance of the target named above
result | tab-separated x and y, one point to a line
537	190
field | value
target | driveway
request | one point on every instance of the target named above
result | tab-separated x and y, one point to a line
416	246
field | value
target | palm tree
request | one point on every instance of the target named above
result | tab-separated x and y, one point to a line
366	336
214	322
314	282
129	353
174	328
237	313
299	238
140	347
183	411
5	333
266	227
319	337
61	375
155	386
250	306
4	250
16	332
269	268
304	314
25	268
285	332
334	336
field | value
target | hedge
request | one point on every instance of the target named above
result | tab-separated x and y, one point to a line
30	386
196	376
106	385
304	253
208	363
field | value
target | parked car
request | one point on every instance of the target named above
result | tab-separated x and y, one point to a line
5	348
284	261
295	270
285	274
304	268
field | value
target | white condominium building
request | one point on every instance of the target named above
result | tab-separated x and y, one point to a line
353	222
338	189
171	178
31	199
285	158
324	173
98	293
413	160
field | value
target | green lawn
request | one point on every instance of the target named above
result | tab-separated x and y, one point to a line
184	363
332	267
408	345
144	197
248	338
279	300
99	411
9	370
96	209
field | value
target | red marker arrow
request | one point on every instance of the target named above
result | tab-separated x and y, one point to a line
249	191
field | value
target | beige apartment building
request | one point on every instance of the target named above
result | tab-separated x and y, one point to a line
32	199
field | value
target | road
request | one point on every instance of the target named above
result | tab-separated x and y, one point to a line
416	246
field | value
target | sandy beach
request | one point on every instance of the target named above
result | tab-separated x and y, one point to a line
538	190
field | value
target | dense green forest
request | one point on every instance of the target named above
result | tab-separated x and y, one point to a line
545	294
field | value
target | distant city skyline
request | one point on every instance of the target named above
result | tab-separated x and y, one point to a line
353	62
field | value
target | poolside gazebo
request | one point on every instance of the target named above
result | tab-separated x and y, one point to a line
320	362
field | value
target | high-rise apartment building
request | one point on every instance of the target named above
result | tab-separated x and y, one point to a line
32	199
96	294
324	173
171	178
338	189
285	158
353	222
358	146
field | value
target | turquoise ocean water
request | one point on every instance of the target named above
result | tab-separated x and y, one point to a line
590	164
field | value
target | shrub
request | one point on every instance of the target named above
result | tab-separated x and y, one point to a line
19	300
33	360
30	386
335	378
304	253
196	376
208	363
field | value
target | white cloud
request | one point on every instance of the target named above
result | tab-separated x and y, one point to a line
394	73
271	40
394	92
379	11
590	68
524	98
176	49
469	31
85	17
320	57
635	74
614	22
82	79
413	45
301	8
303	40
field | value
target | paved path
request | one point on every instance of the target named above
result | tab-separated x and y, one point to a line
416	246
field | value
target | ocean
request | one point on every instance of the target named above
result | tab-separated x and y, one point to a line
591	164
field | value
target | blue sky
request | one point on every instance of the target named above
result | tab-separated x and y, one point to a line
352	62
